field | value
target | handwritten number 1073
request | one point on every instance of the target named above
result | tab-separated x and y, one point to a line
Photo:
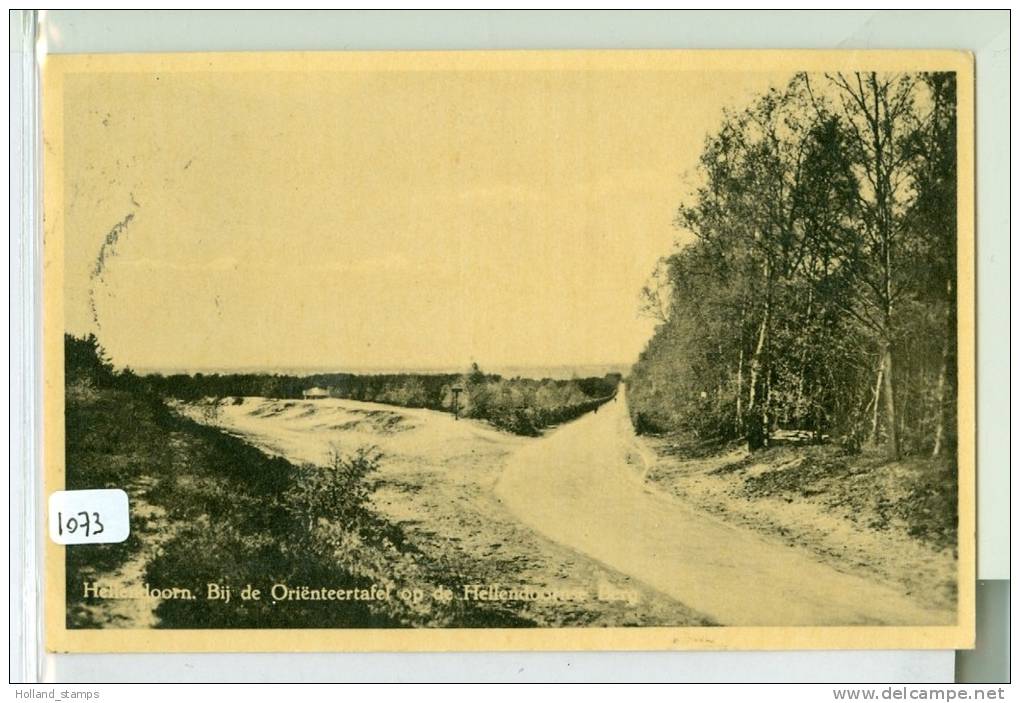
83	520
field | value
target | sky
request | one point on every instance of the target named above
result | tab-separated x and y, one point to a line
376	219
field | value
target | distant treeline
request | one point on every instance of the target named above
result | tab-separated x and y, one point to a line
819	291
520	405
525	406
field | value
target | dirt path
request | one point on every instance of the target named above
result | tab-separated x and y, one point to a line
152	530
582	487
437	480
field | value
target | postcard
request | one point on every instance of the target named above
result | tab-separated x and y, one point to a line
564	350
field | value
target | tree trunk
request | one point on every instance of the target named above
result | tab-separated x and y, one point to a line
876	401
739	419
720	387
755	370
940	401
757	424
943	405
798	408
892	444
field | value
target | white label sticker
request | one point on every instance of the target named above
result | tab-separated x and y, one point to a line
89	517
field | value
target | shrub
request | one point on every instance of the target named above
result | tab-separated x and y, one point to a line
337	492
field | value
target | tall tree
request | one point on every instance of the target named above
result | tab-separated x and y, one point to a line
932	219
771	173
878	109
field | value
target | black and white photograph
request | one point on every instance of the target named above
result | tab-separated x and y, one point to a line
578	350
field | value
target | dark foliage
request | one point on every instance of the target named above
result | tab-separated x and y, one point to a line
817	291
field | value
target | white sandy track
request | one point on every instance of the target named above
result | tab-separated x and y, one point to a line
308	430
577	488
437	480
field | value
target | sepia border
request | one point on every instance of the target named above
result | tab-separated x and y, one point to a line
59	639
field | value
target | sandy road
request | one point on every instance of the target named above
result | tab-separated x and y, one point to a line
581	487
437	481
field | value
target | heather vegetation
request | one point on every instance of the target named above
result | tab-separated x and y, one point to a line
222	512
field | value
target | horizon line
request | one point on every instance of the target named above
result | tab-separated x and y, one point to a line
308	370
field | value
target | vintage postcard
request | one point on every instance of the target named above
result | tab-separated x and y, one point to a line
509	350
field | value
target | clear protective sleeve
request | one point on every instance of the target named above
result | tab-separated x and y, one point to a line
36	35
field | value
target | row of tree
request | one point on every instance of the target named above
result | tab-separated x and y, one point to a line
520	405
819	290
525	406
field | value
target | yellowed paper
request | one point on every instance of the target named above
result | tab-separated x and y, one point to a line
512	350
